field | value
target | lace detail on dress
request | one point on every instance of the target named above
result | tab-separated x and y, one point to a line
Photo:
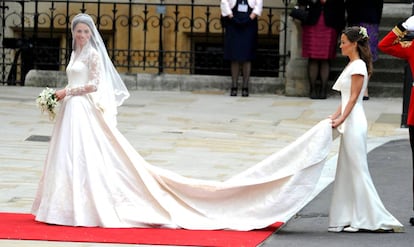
93	62
81	90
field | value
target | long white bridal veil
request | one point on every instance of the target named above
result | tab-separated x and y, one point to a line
112	91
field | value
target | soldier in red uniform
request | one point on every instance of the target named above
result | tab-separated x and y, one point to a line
394	44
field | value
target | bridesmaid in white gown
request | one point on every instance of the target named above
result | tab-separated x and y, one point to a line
93	177
356	204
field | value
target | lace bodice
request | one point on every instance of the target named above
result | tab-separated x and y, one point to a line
83	72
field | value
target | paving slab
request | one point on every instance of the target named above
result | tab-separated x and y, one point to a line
197	134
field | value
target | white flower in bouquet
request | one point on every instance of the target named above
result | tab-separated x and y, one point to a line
47	102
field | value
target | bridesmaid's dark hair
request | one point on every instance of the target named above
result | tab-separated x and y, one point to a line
359	35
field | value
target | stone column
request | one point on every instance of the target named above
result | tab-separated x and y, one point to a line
297	83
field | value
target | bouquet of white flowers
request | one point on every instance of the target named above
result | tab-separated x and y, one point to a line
47	101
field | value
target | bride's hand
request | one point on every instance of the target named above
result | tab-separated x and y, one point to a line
60	94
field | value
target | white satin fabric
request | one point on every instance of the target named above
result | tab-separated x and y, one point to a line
94	177
355	201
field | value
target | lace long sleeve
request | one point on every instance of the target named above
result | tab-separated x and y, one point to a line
94	75
81	90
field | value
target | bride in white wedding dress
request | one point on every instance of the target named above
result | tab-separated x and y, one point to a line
93	177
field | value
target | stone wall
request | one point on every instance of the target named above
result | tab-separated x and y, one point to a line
167	82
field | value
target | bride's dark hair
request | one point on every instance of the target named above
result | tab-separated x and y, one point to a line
359	35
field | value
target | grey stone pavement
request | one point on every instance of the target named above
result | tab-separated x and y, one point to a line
210	135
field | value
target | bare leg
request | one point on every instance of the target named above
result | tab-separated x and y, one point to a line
366	95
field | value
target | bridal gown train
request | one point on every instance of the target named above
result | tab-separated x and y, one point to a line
94	177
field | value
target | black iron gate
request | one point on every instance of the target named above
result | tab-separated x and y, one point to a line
141	37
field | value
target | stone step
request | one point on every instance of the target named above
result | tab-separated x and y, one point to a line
390	76
387	61
386	89
384	62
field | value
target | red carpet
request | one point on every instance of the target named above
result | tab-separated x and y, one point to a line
24	227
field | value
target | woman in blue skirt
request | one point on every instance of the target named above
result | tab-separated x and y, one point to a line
240	40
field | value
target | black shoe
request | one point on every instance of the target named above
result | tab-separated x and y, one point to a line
313	95
323	95
365	98
412	221
323	92
233	91
245	92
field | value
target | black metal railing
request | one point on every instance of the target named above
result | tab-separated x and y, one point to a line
141	37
